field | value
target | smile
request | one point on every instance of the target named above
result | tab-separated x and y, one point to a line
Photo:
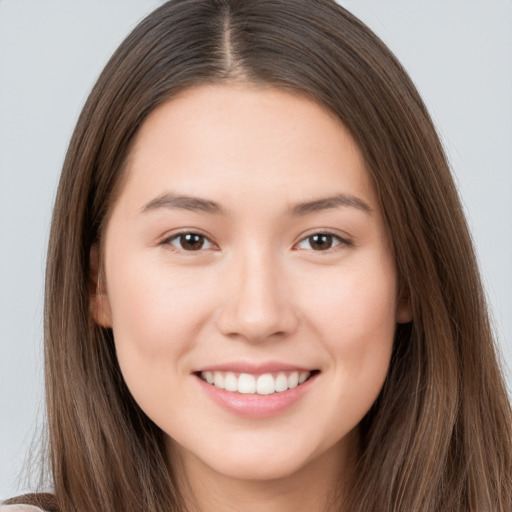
264	384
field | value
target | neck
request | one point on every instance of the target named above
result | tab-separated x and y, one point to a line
318	486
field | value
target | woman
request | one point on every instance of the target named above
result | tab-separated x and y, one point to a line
273	310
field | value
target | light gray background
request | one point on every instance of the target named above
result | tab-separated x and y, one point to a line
458	52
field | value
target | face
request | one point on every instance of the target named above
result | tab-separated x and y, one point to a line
247	251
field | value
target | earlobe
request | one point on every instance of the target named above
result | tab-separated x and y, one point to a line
403	307
99	303
403	312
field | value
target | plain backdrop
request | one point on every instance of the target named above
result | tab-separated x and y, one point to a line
458	52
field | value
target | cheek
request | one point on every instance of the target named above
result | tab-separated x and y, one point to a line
354	318
153	308
355	304
156	317
362	320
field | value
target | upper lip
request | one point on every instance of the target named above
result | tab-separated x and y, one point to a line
254	368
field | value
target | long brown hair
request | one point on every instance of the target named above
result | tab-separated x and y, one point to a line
439	436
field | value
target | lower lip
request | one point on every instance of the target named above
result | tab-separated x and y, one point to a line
254	405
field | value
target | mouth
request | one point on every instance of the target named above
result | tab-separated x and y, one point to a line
256	384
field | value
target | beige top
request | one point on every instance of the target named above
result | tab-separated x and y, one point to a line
19	508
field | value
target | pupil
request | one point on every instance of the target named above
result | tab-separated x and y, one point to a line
192	242
321	242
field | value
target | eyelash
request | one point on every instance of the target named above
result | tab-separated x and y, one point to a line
177	236
341	242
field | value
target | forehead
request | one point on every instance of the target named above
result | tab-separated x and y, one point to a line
223	139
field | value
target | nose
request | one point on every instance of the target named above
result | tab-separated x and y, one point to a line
258	305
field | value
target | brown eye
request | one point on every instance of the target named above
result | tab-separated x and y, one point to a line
322	242
190	242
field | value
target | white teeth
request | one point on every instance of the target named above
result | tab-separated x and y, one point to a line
281	382
218	380
230	382
265	384
293	380
303	376
246	383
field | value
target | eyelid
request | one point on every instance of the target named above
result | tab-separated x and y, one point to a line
343	241
166	240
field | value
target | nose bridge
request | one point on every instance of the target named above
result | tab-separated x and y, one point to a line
257	306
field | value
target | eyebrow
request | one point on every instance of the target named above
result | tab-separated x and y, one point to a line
191	203
197	204
327	203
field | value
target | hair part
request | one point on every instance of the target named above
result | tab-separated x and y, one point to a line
439	436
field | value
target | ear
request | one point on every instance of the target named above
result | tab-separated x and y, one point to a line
99	303
403	307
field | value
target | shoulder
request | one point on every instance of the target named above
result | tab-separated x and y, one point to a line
35	502
19	508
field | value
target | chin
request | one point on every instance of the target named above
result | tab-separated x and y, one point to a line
258	462
259	469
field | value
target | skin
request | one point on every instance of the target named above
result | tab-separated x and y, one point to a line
258	290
